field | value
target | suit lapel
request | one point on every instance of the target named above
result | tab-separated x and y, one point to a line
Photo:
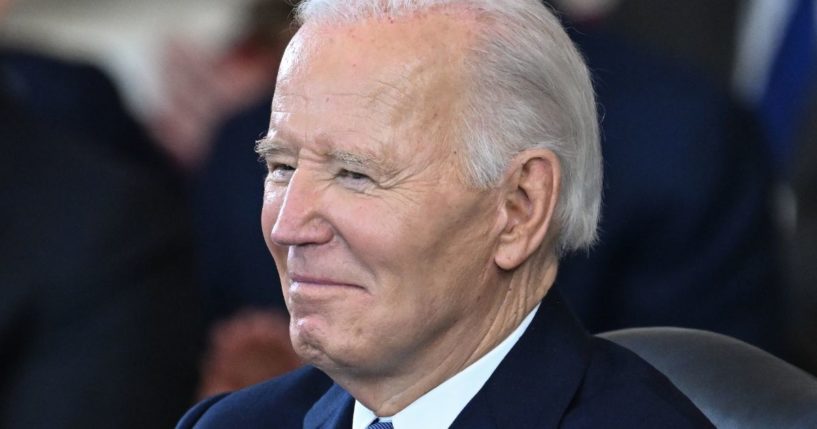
333	411
537	380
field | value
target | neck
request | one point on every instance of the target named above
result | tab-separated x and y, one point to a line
521	291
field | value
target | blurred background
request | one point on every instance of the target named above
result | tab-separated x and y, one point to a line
134	276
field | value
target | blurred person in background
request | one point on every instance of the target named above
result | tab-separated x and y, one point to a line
98	312
764	54
204	88
217	106
227	239
204	82
687	221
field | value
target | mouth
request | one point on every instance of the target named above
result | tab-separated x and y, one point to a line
298	281
312	294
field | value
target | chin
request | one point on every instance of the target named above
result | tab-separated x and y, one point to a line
310	354
321	349
307	337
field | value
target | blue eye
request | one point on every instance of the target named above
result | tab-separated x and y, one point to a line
352	175
280	172
353	180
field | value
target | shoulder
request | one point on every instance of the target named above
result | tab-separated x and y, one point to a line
284	400
623	391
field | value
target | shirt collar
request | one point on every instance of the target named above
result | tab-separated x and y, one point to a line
439	407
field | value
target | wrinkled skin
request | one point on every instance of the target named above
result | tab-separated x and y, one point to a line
391	264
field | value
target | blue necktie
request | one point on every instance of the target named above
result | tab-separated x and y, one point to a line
377	424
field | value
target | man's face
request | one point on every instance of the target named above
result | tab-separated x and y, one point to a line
385	255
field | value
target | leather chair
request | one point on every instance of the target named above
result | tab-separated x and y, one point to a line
736	385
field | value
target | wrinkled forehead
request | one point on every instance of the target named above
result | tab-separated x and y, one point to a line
407	67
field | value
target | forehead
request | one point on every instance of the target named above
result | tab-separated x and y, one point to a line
378	76
405	47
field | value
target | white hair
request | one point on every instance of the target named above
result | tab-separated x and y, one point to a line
531	89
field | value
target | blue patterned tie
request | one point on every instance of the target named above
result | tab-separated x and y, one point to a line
377	424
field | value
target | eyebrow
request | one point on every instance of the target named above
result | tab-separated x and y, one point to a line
267	146
357	162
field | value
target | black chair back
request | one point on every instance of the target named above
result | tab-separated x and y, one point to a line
735	384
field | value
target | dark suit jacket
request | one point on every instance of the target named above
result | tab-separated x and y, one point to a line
556	376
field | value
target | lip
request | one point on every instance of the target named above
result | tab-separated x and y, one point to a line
308	293
307	280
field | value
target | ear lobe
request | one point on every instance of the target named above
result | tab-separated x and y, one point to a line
532	191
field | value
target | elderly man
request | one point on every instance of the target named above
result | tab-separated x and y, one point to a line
428	163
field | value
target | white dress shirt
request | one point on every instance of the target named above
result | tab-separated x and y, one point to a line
438	408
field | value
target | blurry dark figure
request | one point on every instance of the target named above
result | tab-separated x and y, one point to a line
772	66
218	107
249	336
98	314
235	269
228	198
687	236
204	89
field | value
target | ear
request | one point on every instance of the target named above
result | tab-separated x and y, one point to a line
531	189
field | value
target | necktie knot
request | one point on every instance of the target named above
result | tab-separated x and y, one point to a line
377	424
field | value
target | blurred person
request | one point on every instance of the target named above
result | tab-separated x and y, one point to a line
203	91
687	236
761	53
416	212
229	180
240	294
98	320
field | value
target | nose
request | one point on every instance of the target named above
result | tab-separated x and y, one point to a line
300	219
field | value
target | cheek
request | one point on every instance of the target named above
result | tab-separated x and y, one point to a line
373	234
